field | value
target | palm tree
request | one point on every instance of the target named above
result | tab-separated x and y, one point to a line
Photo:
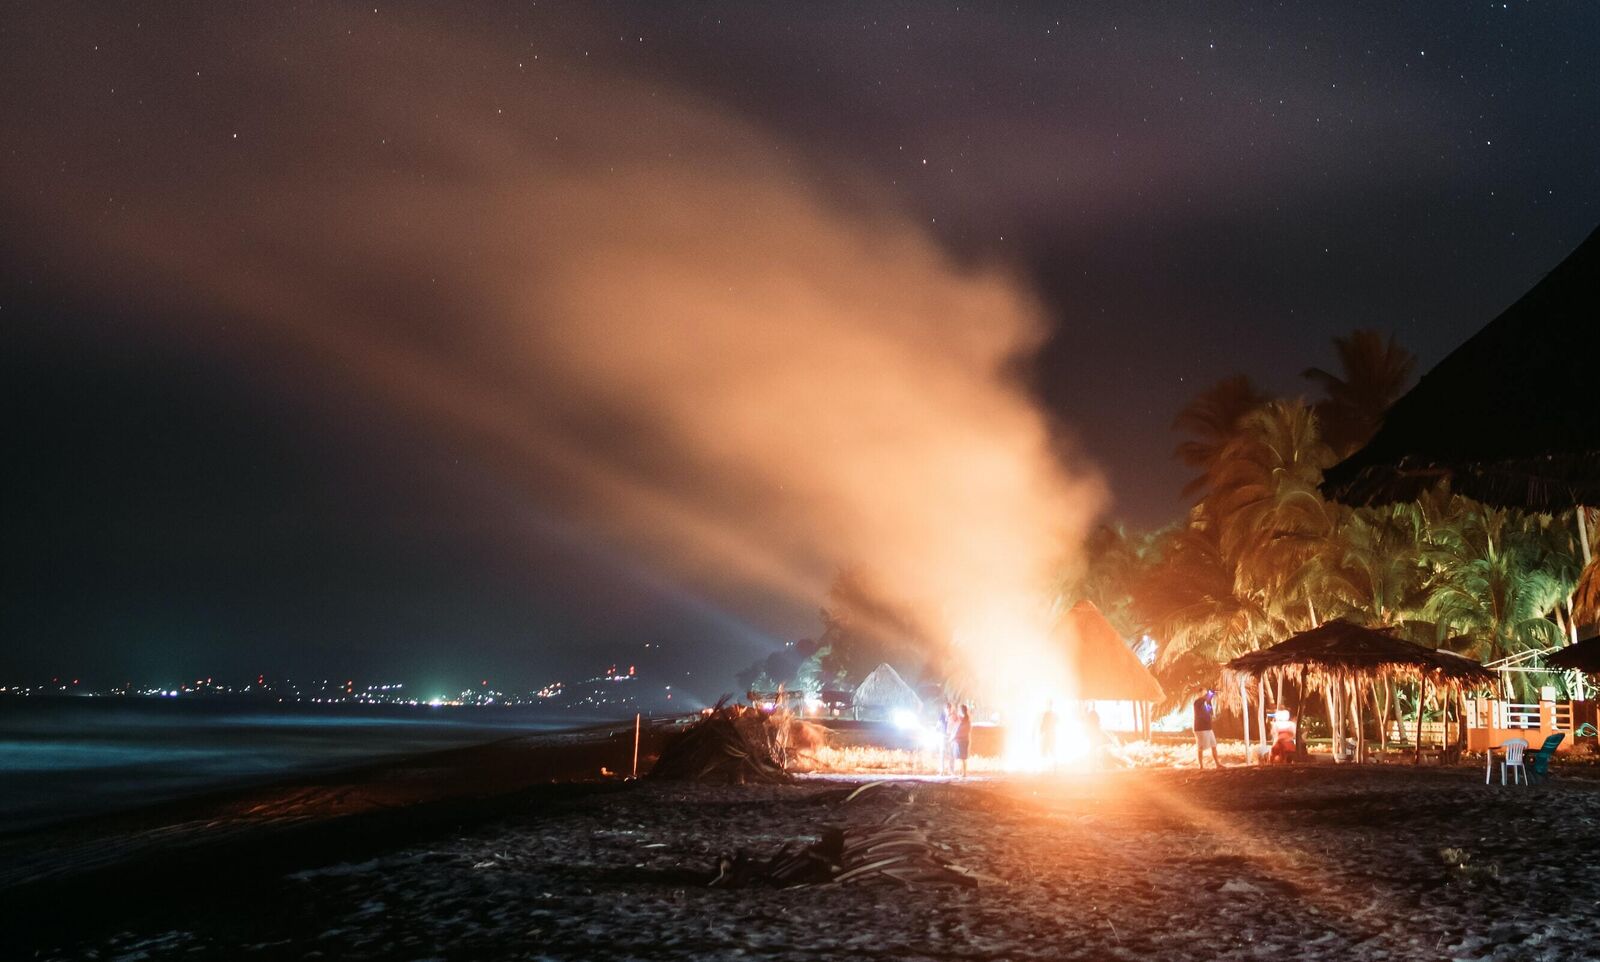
1497	604
1263	491
1228	581
1374	373
1390	556
1213	419
1586	592
1192	600
1586	595
1113	562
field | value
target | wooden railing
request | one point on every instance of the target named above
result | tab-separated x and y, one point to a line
1511	714
1406	732
1497	715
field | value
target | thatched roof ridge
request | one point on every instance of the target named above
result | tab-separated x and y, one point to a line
1508	417
1583	656
1341	646
1103	667
884	688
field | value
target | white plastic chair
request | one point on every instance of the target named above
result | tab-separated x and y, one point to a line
1514	748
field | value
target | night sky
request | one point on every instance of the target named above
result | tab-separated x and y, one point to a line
267	365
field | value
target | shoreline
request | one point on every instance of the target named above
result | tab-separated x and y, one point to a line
63	758
214	839
315	773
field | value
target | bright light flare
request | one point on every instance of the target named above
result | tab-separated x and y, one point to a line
1022	672
1025	741
908	721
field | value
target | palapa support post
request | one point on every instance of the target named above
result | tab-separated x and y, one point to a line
1380	711
1422	698
1445	738
1300	748
1244	719
1341	705
1330	699
1261	712
1356	715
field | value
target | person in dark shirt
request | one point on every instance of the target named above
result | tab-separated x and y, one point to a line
961	739
1204	736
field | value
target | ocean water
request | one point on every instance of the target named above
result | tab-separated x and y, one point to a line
67	757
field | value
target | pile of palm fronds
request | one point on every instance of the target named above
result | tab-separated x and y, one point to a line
731	745
883	852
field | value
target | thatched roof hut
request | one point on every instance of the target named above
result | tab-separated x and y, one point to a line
1508	417
882	693
1348	662
1583	656
1343	647
1103	667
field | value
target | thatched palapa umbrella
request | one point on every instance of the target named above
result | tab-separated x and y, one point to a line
1101	666
882	693
1508	417
1583	656
1341	658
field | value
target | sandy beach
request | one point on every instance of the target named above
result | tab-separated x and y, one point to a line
1309	862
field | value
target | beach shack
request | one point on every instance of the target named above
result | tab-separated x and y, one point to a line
1491	720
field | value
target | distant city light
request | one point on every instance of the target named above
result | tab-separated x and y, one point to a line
599	693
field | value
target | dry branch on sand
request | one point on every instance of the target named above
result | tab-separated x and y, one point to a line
877	851
845	856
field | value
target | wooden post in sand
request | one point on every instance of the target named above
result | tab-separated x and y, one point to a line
1330	697
1261	708
1244	719
1300	749
636	744
1421	697
1447	704
1355	714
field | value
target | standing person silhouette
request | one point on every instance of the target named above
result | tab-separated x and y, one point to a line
1204	737
1047	732
962	738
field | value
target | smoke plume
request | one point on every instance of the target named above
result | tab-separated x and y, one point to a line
676	330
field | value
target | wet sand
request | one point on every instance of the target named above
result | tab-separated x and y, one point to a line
1308	862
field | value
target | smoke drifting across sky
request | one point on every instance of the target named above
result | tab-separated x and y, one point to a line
610	295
